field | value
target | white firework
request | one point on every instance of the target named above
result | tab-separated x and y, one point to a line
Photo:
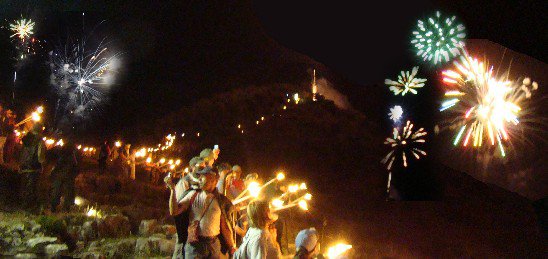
79	75
407	82
396	113
407	141
22	29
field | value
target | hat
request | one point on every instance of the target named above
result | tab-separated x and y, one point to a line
237	168
206	170
307	238
194	161
206	153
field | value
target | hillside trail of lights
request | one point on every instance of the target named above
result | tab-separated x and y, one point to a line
407	82
486	108
437	39
406	141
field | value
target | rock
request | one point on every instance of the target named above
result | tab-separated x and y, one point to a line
36	228
88	231
148	227
56	250
18	227
123	249
159	235
92	255
169	230
167	246
38	244
147	246
114	226
26	255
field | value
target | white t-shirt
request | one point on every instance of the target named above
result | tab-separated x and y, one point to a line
258	243
210	225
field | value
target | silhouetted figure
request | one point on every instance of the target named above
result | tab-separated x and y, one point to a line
62	177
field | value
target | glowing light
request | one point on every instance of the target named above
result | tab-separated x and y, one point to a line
280	176
308	196
396	113
277	203
438	39
170	161
407	82
254	189
403	142
178	162
337	250
93	212
303	186
118	143
162	160
60	143
296	98
78	201
149	159
79	147
22	28
303	205
40	109
293	188
487	106
86	149
172	167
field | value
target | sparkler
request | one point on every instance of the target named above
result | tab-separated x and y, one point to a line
438	40
395	113
406	82
486	108
403	142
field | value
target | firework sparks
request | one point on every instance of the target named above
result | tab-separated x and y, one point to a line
23	29
486	107
403	142
438	39
80	74
396	113
406	82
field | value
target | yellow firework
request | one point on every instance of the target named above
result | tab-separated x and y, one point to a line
22	28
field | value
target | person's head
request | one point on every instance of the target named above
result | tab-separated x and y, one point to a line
208	178
224	167
127	146
258	213
307	244
237	171
251	178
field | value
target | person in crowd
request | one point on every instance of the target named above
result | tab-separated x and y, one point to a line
307	244
260	239
235	185
132	164
125	157
63	175
216	152
33	154
9	146
104	153
209	217
224	171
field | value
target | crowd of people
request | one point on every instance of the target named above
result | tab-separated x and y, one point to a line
210	226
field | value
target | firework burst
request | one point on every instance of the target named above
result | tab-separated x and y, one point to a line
22	29
407	82
437	39
486	108
404	142
79	76
396	113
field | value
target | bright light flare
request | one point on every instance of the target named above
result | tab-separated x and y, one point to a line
337	250
303	205
277	203
254	189
396	113
22	29
293	188
280	176
118	143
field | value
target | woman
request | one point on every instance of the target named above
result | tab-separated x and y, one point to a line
260	239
